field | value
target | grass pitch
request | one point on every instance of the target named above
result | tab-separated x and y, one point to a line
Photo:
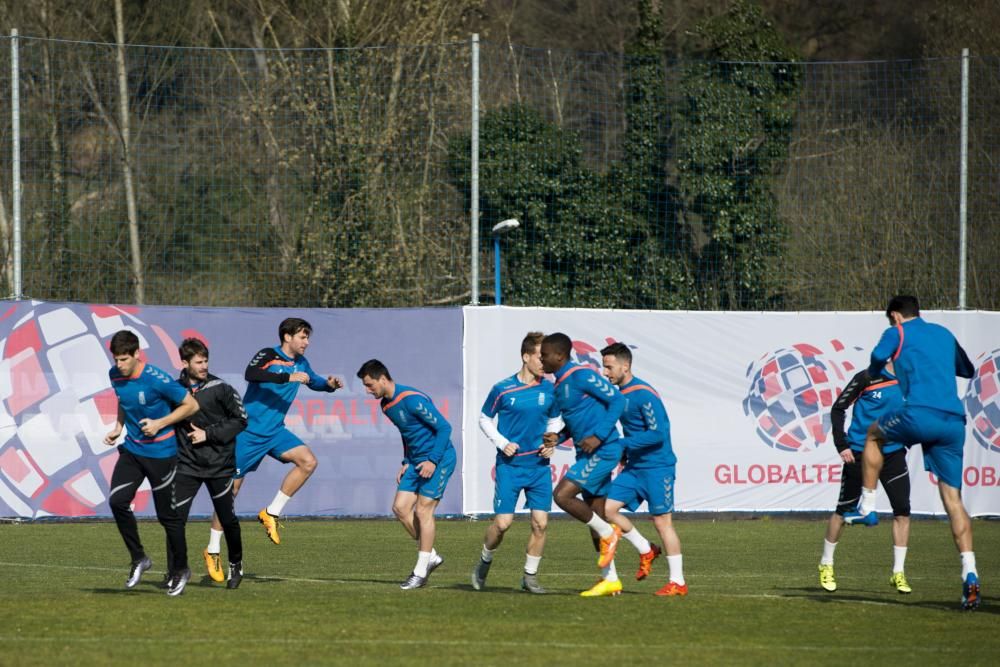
329	595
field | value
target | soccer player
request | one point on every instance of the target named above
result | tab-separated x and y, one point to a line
650	470
590	406
871	397
274	376
206	453
518	411
428	462
149	404
926	358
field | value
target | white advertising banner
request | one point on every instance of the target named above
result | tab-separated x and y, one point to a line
748	396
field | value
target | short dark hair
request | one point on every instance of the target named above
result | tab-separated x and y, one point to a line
124	342
532	340
292	326
192	347
374	369
619	351
905	305
560	342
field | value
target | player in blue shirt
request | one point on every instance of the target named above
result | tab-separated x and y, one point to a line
590	407
650	470
518	411
274	376
428	462
150	402
869	398
926	358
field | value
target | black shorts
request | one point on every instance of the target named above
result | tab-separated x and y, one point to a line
895	479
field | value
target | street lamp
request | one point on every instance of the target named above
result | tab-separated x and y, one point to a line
498	229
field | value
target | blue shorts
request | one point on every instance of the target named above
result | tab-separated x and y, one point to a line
252	448
432	487
654	485
593	473
535	481
940	434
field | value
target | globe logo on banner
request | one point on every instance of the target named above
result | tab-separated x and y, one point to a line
982	402
790	393
57	404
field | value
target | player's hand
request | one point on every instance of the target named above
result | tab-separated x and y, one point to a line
113	436
550	439
510	449
150	427
399	475
299	376
334	383
589	444
197	435
546	452
426	468
847	456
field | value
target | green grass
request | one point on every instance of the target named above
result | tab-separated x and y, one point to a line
329	594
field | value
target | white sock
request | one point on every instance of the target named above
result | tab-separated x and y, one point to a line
214	541
423	560
277	505
968	563
609	573
676	564
637	540
898	559
828	549
531	563
867	501
600	526
487	555
435	555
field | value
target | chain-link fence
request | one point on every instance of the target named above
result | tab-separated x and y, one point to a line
343	177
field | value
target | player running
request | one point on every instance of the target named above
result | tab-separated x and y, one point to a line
590	406
274	376
871	397
149	404
206	454
650	470
926	358
428	462
516	414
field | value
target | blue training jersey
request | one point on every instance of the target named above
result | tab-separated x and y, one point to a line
646	427
148	393
926	358
589	404
426	433
522	411
269	393
871	397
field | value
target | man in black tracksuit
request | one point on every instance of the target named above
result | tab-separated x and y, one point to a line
206	453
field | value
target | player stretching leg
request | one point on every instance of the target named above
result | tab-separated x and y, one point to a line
590	406
149	404
926	358
516	414
428	462
206	454
649	472
274	376
871	397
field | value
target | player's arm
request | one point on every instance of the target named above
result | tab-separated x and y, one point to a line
838	413
423	409
317	382
654	418
597	387
257	368
884	351
963	365
235	420
116	432
488	425
185	408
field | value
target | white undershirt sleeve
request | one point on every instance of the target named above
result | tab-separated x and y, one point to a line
489	427
555	425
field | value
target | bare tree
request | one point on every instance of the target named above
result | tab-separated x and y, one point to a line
126	158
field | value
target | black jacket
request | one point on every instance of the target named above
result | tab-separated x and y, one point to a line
221	416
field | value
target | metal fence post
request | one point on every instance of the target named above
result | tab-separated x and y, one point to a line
15	124
474	176
963	195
